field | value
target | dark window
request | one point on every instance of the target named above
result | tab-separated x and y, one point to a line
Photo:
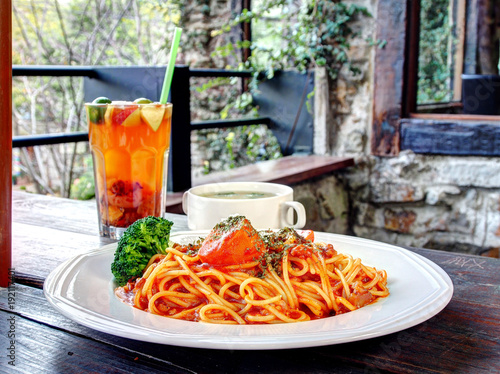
418	101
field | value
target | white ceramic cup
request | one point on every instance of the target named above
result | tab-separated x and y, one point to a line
273	212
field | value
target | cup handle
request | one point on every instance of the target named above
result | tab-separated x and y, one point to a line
185	202
299	209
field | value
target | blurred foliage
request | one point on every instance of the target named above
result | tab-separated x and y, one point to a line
291	35
222	149
76	32
83	187
230	148
296	35
436	43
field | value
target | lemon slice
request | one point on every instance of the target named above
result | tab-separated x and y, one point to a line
152	114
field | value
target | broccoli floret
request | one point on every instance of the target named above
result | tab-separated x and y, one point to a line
140	241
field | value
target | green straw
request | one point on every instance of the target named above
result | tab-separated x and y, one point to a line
167	82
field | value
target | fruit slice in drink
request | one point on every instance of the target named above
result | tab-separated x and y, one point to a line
153	114
129	143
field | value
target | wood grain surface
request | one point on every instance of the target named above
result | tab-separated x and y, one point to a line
450	137
463	338
56	230
286	170
388	85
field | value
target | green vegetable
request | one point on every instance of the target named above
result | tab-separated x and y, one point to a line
140	241
96	113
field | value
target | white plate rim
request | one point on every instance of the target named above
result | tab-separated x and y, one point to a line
303	334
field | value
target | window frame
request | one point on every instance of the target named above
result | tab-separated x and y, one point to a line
395	126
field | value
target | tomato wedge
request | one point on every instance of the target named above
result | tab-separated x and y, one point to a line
232	242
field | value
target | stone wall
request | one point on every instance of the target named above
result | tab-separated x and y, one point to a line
327	203
199	19
441	202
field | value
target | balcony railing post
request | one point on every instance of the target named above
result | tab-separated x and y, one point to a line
180	141
6	138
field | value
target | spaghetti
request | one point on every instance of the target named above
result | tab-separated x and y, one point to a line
272	277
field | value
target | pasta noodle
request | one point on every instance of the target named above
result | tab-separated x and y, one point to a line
293	280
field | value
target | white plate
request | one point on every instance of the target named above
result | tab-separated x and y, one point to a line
82	289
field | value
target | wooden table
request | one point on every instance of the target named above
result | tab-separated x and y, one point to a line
463	338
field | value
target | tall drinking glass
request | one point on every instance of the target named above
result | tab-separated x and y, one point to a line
129	144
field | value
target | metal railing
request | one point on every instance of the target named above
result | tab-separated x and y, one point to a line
180	169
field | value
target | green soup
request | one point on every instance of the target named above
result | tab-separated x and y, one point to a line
239	195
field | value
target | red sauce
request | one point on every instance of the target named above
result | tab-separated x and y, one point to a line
301	251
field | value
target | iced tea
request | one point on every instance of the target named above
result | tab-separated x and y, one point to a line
129	143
